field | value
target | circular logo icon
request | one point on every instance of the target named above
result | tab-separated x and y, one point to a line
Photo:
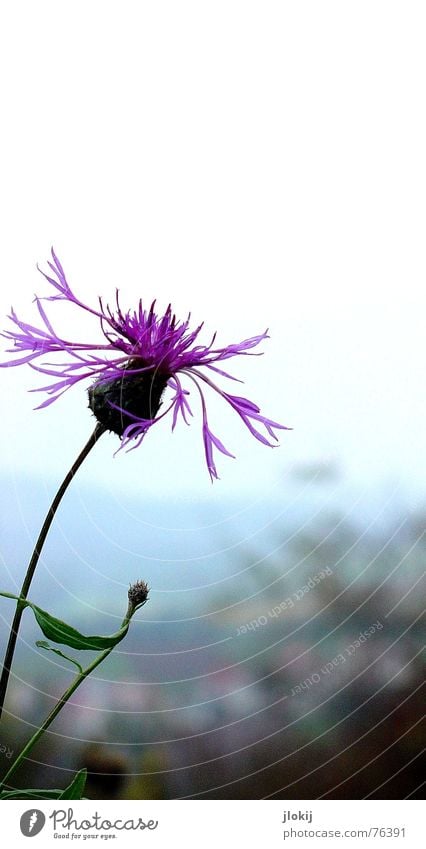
32	822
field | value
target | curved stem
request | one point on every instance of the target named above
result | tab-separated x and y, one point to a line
98	431
58	707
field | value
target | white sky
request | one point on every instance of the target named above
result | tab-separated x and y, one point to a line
260	164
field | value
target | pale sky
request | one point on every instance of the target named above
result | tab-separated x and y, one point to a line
261	165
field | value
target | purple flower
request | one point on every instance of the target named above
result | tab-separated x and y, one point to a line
140	355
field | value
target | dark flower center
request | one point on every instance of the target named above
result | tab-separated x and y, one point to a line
138	394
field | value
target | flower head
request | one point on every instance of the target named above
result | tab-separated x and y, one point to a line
137	595
141	354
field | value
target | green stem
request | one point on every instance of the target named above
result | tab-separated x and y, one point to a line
98	431
60	704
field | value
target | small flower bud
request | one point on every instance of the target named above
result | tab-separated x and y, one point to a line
138	594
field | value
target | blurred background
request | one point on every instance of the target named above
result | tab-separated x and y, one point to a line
259	166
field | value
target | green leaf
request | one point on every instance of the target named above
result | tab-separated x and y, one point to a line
31	794
42	644
76	788
59	632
